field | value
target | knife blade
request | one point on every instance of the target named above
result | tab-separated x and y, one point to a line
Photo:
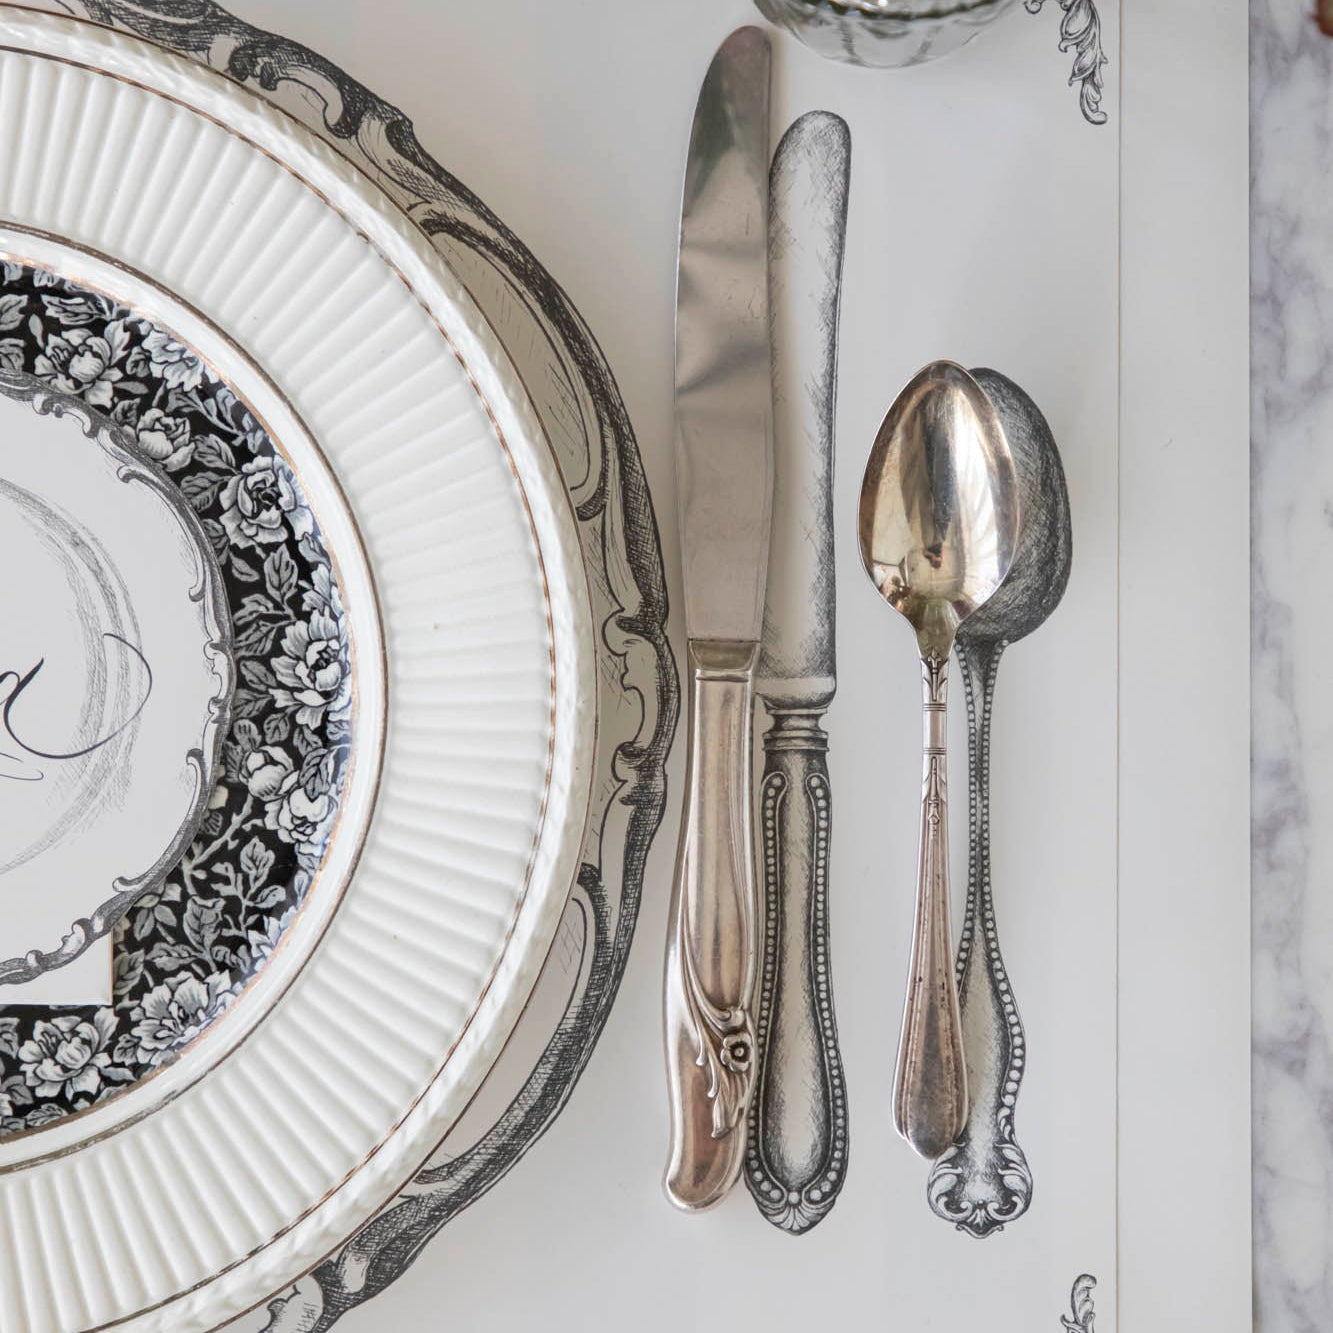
797	1154
724	496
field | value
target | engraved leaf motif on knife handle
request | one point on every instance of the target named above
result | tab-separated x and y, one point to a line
711	952
797	1157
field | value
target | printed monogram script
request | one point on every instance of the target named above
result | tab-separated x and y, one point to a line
22	758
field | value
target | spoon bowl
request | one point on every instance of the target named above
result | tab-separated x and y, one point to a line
1039	572
938	518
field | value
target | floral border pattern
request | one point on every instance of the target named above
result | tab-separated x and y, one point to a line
183	952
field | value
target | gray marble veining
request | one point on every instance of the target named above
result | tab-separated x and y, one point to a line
1292	647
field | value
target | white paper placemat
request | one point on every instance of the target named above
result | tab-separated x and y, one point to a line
1103	268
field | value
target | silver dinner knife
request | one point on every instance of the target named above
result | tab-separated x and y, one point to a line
797	1156
724	493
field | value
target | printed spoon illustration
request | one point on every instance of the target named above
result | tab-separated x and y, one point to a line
938	522
982	1181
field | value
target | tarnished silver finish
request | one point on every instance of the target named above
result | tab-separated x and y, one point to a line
724	489
938	524
797	1156
710	961
886	33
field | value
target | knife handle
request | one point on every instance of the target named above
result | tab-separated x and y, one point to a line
710	958
930	1092
797	1154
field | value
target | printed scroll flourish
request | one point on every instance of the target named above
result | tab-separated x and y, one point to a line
1081	32
1081	1313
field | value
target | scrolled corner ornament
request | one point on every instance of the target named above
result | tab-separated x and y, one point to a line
1081	1315
1081	33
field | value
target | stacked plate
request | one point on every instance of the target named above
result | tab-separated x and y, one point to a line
305	610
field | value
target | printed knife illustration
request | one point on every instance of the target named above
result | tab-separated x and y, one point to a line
724	496
797	1154
938	522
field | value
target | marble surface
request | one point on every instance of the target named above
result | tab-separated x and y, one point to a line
1292	638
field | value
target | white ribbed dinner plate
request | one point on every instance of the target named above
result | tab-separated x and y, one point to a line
173	231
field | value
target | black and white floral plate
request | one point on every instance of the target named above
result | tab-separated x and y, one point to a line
415	690
187	942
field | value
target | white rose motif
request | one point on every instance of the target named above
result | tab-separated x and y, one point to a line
303	820
175	1012
313	671
165	439
68	1053
265	770
260	505
172	361
85	363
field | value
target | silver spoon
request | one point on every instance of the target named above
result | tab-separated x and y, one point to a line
938	522
983	1180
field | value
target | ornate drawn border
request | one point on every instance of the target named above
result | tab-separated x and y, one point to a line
581	408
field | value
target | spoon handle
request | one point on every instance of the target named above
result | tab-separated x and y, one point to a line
930	1094
983	1180
711	953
